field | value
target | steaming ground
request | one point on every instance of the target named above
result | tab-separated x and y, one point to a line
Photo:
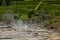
22	31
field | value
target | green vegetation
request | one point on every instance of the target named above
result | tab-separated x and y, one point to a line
25	9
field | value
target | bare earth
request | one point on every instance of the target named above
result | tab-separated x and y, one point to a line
10	34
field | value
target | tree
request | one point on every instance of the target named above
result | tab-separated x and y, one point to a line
7	2
0	2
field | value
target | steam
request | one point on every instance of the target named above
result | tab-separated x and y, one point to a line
21	25
16	24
